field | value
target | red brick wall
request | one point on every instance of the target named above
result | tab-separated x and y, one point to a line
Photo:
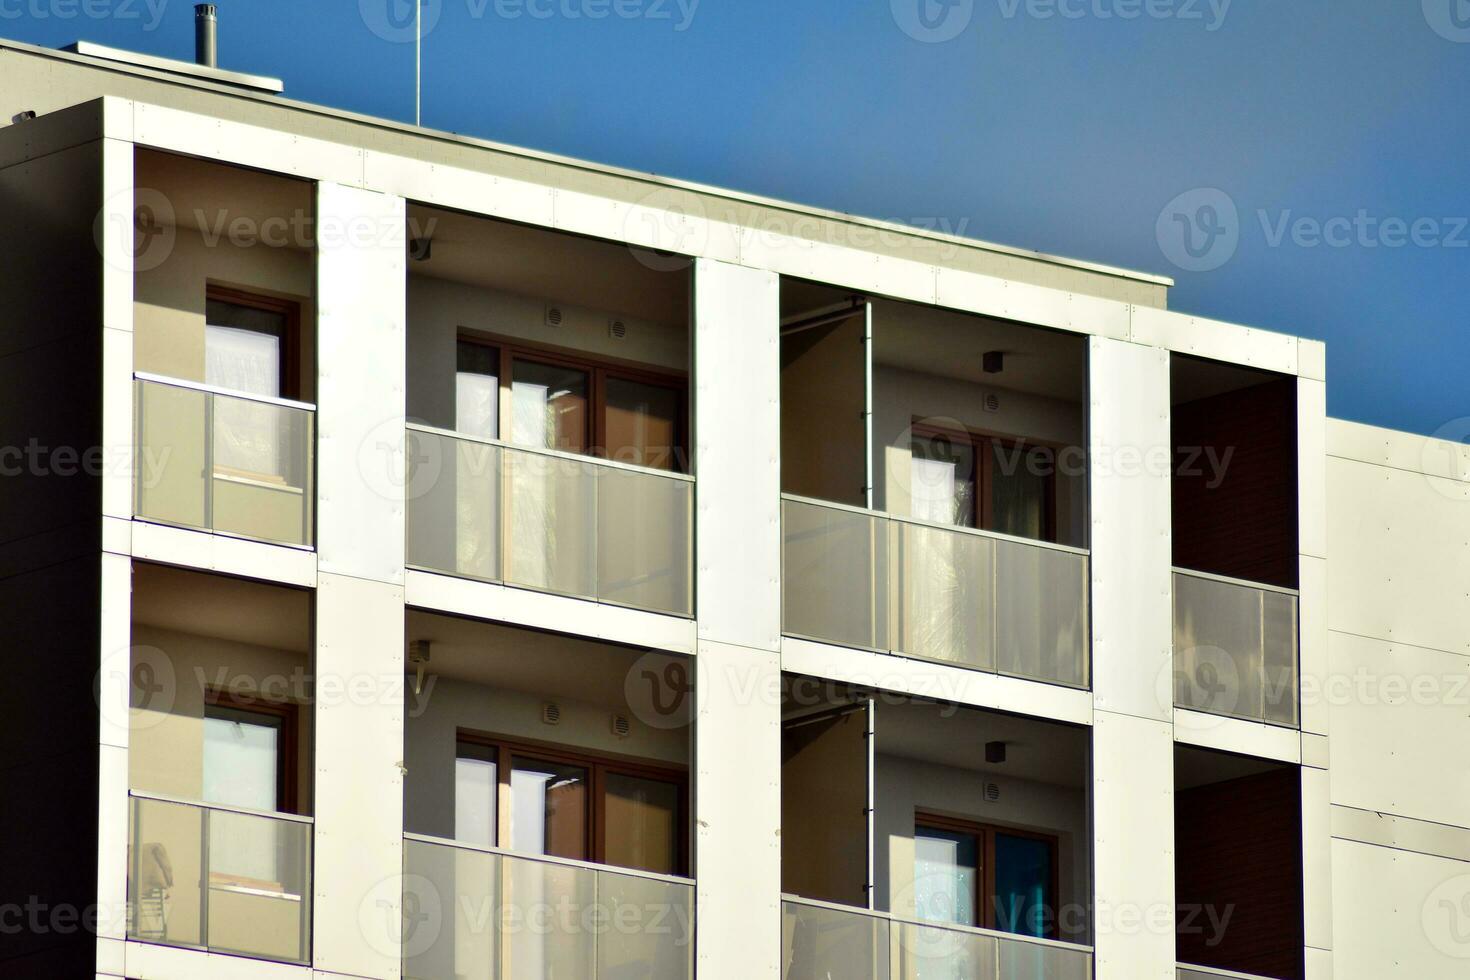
1238	849
1245	526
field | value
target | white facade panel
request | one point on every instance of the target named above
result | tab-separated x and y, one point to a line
1399	914
1317	857
1401	717
1311	444
115	241
1237	735
1311	356
220	553
361	466
976	293
1215	339
1400	555
1129	466
358	834
935	681
1133	830
737	435
737	809
1445	457
456	188
1315	662
781	248
543	610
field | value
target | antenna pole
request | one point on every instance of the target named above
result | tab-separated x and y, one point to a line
418	50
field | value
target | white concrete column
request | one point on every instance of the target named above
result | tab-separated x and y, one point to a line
359	608
1132	631
737	795
1316	793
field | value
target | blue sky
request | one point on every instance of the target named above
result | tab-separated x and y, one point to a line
1316	153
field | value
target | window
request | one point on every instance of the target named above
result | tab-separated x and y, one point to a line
971	480
546	800
249	753
992	877
558	400
250	342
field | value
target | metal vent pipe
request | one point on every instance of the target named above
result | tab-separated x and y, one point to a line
206	29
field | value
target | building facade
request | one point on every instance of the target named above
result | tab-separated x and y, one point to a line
436	559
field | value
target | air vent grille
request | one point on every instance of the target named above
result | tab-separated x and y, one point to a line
621	726
551	713
992	793
617	329
554	316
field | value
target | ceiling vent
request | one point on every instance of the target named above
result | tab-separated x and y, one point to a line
551	713
553	315
617	329
992	793
621	726
992	403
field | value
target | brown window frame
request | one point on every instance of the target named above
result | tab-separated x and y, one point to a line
598	765
290	382
982	443
984	833
599	371
288	752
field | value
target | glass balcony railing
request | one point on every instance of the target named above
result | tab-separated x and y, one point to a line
473	912
219	879
1186	972
223	461
1235	648
861	578
551	521
820	941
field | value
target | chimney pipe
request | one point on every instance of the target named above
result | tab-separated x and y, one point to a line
205	24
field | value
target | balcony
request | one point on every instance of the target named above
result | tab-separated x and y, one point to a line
552	521
819	941
224	461
217	878
978	599
516	915
1235	648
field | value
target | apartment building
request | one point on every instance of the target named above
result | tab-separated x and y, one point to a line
428	558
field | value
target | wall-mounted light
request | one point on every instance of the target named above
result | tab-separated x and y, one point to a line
995	752
419	249
993	361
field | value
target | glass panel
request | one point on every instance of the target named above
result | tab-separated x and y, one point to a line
643	547
936	953
475	789
945	595
548	406
1280	668
942	480
549	802
1018	490
546	917
1041	613
259	888
550	543
1235	650
262	470
828	944
165	852
834	581
477	390
450	923
642	823
946	876
650	928
642	424
1020	960
453	499
1024	903
173	454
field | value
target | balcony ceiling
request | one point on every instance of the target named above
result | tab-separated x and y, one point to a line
534	262
211	197
233	609
1043	752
